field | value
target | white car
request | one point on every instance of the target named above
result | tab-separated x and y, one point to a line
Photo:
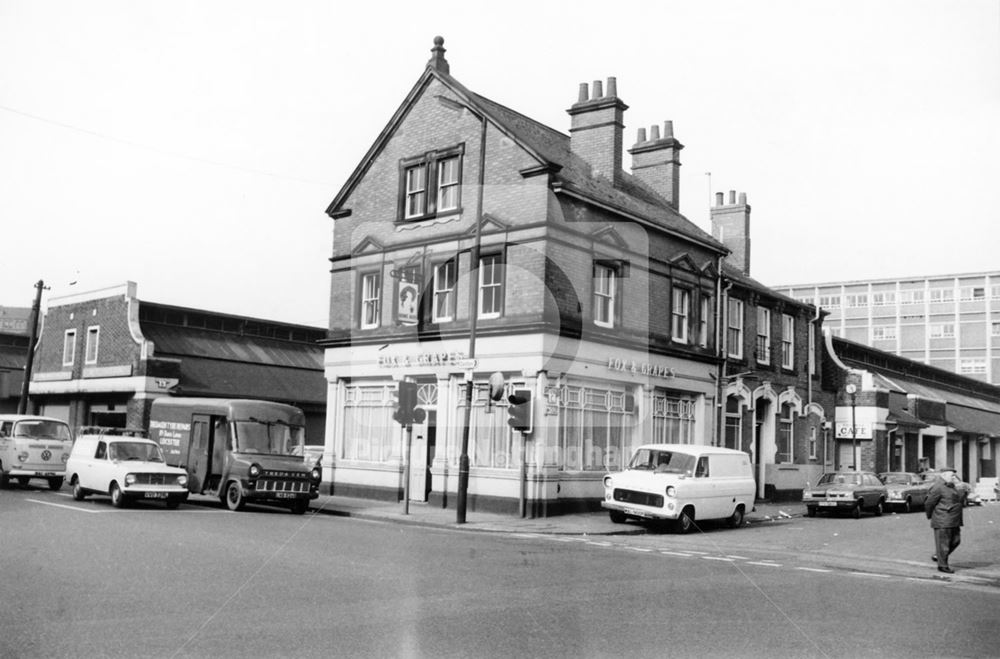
124	468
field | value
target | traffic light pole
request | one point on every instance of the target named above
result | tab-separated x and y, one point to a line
406	470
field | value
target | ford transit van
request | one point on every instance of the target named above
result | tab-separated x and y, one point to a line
682	483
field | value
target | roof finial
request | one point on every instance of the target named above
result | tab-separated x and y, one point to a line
437	60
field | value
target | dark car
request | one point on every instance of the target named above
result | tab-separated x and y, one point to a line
906	490
847	491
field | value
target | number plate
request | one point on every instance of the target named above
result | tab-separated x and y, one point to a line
285	495
155	495
635	513
828	503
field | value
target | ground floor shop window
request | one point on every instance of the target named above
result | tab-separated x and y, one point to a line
370	434
596	428
673	418
492	442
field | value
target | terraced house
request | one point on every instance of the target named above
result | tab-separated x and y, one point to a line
473	242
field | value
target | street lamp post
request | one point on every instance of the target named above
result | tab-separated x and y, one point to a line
852	391
461	501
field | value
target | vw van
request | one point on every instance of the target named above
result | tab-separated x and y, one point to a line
680	484
33	447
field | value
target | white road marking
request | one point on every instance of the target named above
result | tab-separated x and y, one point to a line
642	549
675	553
719	558
870	574
59	505
739	558
812	569
764	563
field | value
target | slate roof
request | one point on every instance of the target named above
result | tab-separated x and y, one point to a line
240	366
552	150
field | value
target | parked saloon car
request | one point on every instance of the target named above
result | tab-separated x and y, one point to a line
972	497
906	490
125	468
852	491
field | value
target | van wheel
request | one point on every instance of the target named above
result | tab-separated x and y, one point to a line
735	520
234	496
617	516
300	507
23	480
78	493
685	523
4	479
117	498
55	483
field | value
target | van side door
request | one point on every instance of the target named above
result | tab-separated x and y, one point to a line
199	455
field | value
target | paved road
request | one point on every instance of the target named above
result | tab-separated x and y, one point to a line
88	580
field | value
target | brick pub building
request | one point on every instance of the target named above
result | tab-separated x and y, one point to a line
590	290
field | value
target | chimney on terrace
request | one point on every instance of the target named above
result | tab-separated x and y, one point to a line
596	129
657	162
731	227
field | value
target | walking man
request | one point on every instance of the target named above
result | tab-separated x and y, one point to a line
943	506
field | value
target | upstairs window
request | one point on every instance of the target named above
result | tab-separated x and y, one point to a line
431	184
734	333
371	300
605	294
444	298
490	286
680	312
763	335
93	336
69	347
787	341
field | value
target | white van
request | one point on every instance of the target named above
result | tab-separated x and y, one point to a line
33	447
681	483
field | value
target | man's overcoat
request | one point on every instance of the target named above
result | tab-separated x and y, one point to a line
944	505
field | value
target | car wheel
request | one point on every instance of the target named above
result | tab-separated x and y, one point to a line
617	516
909	505
117	497
4	479
685	523
811	511
856	513
172	504
55	483
735	520
78	493
878	508
23	480
234	496
300	507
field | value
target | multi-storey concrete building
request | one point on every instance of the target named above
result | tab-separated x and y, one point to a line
948	321
474	244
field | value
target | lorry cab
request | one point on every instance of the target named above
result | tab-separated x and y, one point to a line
243	451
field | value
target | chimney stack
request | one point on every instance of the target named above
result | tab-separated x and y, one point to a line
596	129
657	163
731	227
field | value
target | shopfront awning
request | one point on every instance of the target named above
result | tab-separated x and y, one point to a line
213	377
903	418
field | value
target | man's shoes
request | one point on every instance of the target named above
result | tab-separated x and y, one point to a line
934	558
945	569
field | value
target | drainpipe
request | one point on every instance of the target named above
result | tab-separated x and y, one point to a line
721	339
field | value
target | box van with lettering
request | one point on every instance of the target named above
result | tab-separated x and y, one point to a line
243	451
682	484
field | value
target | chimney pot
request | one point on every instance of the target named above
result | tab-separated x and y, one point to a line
719	198
612	87
584	93
732	197
640	136
654	131
598	89
743	199
668	128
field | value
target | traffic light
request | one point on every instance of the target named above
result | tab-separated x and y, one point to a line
407	413
520	410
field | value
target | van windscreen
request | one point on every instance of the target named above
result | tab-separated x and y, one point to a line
667	462
268	437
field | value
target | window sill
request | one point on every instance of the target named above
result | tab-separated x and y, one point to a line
405	223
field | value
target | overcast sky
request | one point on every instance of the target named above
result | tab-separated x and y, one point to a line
193	147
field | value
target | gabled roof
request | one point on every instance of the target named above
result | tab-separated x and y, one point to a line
737	276
551	149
